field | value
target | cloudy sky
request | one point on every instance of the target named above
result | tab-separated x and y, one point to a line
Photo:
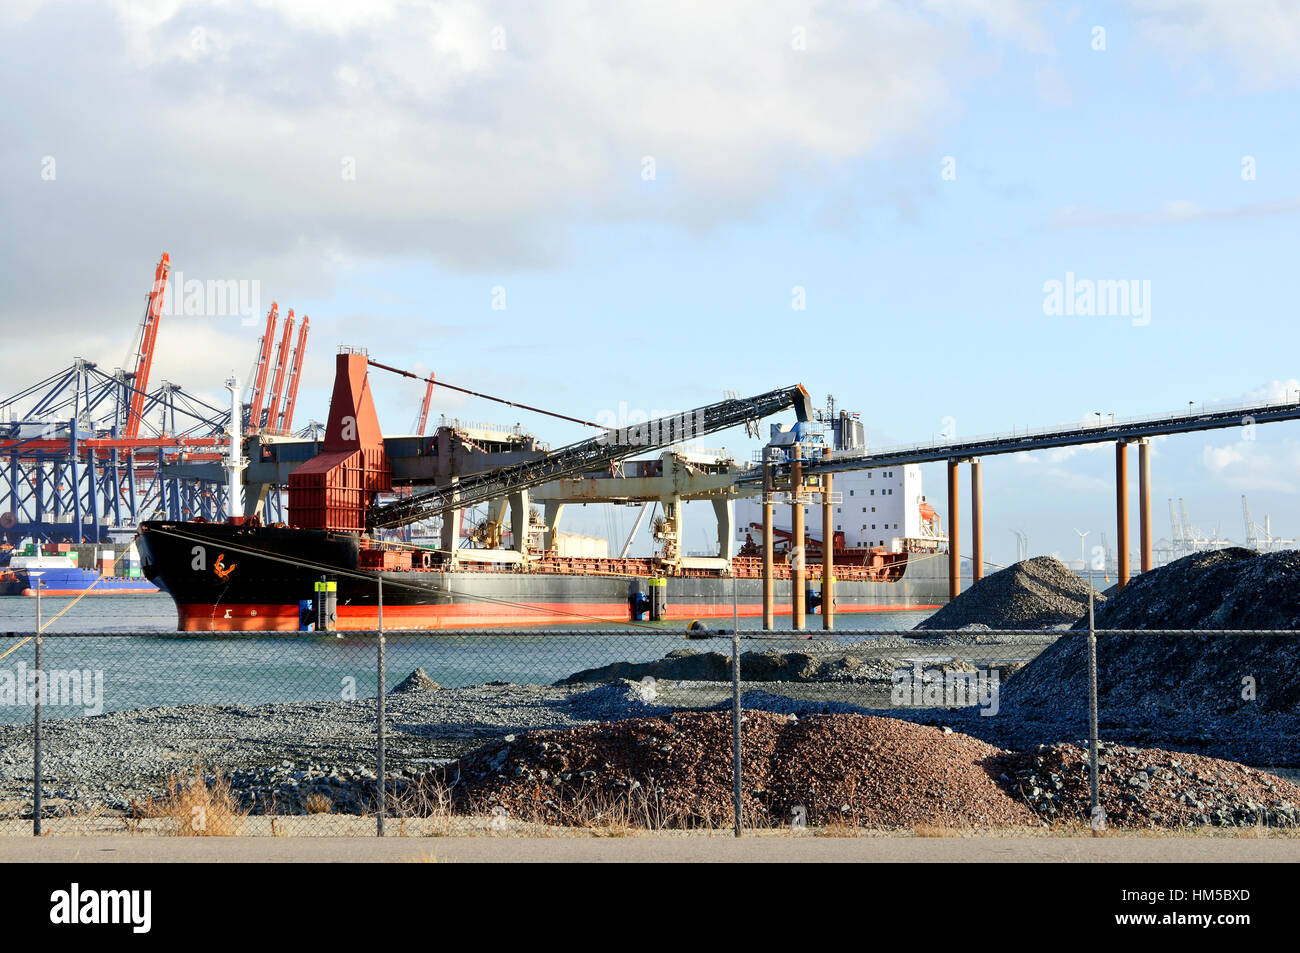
584	206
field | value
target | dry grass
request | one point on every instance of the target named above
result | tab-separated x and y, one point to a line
318	804
430	802
936	830
192	808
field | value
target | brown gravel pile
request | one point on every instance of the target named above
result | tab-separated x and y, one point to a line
1152	788
844	769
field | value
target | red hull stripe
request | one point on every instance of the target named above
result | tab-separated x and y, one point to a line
284	618
96	591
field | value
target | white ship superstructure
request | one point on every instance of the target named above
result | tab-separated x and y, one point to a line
884	509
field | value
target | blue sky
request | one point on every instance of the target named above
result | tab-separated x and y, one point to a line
925	295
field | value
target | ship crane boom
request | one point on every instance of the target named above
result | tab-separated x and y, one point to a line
590	455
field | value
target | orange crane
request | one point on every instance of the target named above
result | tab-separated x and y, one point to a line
295	371
281	363
424	408
263	366
144	356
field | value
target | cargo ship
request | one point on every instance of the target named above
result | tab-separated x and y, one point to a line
60	575
242	575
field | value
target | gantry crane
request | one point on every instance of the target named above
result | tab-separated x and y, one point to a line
277	382
258	393
285	421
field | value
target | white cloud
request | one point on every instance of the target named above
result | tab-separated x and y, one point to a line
1261	38
229	151
1251	465
1172	212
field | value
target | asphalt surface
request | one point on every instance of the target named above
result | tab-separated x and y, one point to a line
652	849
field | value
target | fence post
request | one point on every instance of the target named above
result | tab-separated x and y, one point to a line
36	723
735	703
381	783
1094	780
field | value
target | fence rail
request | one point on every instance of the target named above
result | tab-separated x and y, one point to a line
422	733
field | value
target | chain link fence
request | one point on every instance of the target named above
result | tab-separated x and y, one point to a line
616	730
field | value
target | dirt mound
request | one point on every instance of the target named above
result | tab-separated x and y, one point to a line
1151	788
1224	589
676	772
1032	594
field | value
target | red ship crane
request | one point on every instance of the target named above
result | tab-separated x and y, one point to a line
295	371
144	357
424	408
263	367
277	383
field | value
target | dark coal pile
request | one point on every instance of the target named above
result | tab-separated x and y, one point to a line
1150	788
676	772
1235	697
1033	594
1224	589
690	665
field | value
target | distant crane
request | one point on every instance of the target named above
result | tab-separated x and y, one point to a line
144	354
422	419
260	371
281	365
1177	537
1261	538
285	422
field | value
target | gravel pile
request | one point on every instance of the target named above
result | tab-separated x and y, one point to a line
1151	788
675	772
1236	697
1224	589
1034	594
771	666
112	759
417	681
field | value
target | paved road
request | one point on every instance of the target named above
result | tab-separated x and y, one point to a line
651	848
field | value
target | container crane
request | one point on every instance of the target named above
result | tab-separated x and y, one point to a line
139	381
263	367
1258	537
277	382
285	422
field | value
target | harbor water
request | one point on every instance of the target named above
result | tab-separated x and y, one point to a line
130	644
